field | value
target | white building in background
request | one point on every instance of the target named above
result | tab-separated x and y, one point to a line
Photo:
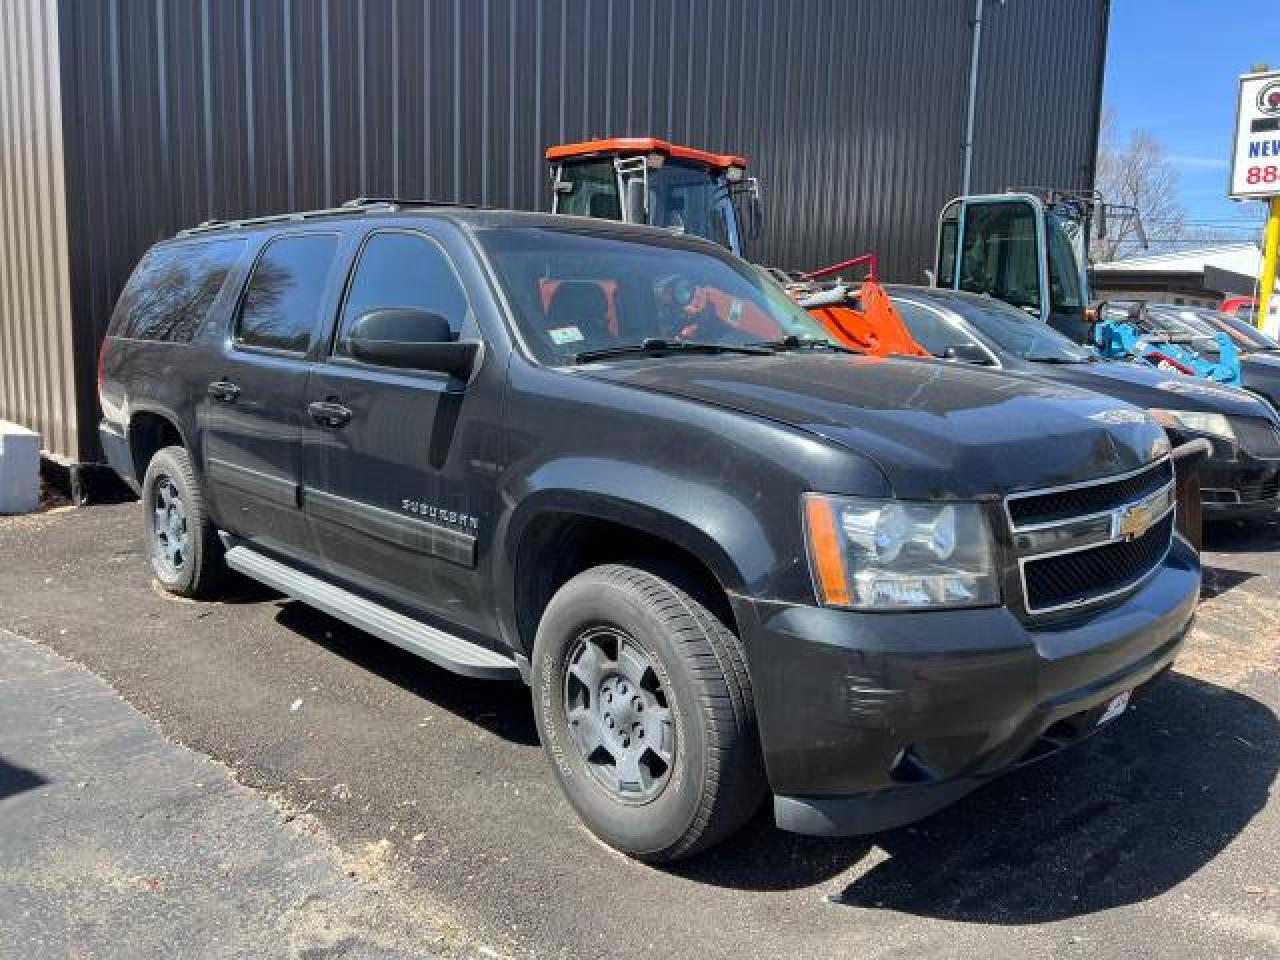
1197	278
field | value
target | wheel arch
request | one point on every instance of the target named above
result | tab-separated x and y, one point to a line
558	534
150	430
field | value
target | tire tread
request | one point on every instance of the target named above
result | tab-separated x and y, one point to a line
735	781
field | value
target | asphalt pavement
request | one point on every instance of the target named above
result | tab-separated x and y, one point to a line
1159	837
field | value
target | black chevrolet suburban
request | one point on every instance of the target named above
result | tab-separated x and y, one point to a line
730	558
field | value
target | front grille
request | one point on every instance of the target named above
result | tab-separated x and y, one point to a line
1257	436
1085	542
1073	578
1268	489
1082	500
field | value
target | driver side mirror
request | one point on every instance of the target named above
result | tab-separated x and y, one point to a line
412	339
967	353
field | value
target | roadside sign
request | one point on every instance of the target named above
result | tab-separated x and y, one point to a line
1255	157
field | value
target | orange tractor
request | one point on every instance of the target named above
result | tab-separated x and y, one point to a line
650	181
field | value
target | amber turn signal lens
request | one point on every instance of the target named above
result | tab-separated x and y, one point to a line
826	553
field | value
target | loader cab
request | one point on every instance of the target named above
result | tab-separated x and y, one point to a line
1022	250
643	180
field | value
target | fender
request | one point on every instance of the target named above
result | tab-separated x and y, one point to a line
710	523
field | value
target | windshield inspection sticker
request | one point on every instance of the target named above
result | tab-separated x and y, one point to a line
562	335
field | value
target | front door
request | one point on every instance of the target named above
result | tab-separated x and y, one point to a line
398	471
253	413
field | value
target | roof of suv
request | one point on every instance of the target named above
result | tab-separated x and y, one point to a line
368	208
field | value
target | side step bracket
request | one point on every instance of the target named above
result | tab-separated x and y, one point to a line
441	648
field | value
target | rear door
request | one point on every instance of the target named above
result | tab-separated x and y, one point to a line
253	412
400	465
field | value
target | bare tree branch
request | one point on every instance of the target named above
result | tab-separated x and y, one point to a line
1136	173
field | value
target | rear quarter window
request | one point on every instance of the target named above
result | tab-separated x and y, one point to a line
172	289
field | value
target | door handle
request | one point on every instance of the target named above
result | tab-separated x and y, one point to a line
224	391
327	413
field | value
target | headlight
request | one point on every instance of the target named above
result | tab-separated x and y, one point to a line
893	555
1213	424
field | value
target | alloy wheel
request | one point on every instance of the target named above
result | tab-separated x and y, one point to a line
618	714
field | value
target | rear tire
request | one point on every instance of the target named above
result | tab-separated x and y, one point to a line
644	708
183	547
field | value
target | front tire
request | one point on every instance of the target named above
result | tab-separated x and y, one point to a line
644	708
182	545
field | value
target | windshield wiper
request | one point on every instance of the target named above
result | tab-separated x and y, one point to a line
657	347
1058	359
797	343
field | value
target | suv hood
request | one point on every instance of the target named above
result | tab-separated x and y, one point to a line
935	429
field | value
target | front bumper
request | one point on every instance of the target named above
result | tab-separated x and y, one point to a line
869	721
1234	482
1244	486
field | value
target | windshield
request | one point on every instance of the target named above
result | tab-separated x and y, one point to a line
1000	252
686	198
1008	328
1244	334
1176	322
574	291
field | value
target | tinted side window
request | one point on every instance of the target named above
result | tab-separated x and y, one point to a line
171	291
929	329
402	270
282	302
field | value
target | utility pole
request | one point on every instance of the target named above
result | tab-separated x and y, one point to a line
1270	253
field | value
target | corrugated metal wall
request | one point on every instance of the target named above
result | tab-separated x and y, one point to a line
1039	92
37	382
851	112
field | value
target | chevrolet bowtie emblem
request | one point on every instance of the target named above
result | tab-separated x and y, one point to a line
1132	522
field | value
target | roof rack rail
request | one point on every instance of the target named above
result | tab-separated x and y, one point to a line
352	207
357	202
211	225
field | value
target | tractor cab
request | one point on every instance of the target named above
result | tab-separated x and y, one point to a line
1028	249
650	181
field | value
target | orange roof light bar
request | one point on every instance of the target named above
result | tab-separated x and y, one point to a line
569	151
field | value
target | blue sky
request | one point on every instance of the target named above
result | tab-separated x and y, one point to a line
1171	70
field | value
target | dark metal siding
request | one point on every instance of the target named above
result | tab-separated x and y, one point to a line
1039	90
851	113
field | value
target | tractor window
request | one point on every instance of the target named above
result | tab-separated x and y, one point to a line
1065	295
1000	253
946	276
594	193
687	198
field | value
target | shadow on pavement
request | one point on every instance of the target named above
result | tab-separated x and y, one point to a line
1117	820
1218	580
14	780
501	708
1243	536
